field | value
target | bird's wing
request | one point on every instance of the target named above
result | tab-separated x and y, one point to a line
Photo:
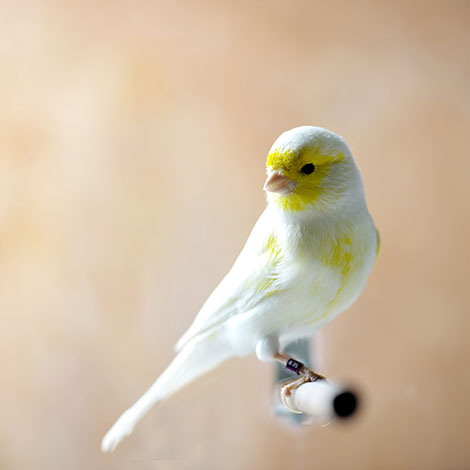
251	279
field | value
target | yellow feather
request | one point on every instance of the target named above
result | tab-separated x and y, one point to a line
308	190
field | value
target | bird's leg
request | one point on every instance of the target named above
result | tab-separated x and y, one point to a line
305	375
267	350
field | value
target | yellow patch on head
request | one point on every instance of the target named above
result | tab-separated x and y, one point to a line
309	187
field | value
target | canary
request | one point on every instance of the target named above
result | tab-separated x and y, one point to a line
306	260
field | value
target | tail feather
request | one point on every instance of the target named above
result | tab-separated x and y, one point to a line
193	360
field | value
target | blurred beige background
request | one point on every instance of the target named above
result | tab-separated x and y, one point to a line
133	138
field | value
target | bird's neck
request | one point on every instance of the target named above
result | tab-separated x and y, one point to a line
347	209
296	229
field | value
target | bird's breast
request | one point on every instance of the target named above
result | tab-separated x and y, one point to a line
328	265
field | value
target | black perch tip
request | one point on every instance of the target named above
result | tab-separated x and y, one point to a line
345	404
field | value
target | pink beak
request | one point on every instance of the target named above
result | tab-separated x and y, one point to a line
278	183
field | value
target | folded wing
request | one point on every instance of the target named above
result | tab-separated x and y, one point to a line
253	278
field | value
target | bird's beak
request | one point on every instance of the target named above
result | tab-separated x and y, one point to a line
278	183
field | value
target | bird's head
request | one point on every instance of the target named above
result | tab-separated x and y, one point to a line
311	168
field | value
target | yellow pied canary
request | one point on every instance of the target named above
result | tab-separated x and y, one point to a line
307	259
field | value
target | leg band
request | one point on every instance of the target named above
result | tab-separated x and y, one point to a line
294	366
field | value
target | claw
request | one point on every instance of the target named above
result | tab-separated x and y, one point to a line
305	375
286	392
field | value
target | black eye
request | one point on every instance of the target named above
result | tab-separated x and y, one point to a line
307	169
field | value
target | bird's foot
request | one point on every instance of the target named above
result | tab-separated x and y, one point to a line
286	392
305	375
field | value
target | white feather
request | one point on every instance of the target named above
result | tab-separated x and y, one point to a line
284	292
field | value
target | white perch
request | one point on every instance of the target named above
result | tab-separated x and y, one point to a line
311	394
323	400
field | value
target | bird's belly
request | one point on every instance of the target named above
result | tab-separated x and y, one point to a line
290	311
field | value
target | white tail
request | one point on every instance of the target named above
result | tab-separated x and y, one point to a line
192	361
